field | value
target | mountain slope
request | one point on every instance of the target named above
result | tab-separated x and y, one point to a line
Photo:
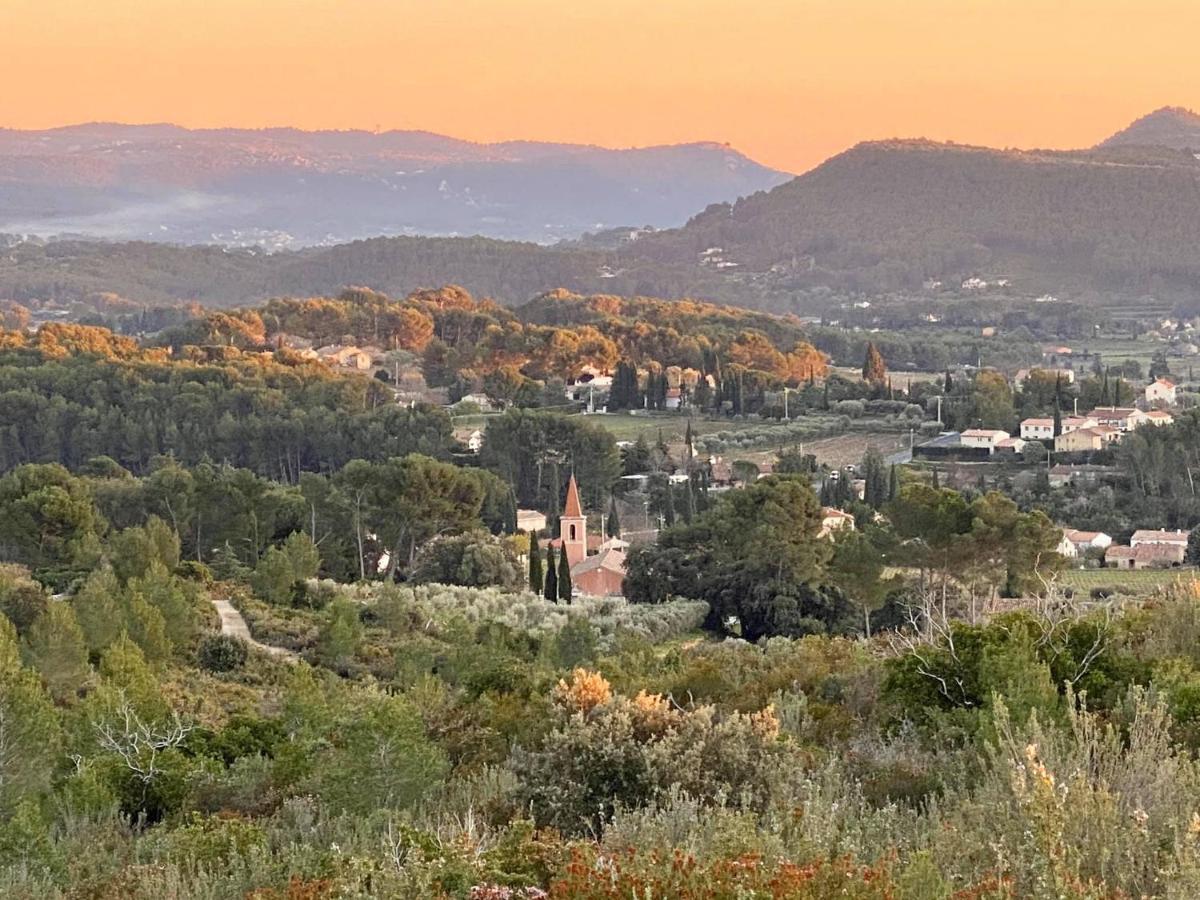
889	215
1171	126
290	188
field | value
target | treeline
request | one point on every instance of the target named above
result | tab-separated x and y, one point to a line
278	419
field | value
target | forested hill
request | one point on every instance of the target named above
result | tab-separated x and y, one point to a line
891	214
1119	222
1171	126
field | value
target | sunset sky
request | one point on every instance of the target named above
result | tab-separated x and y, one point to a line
789	83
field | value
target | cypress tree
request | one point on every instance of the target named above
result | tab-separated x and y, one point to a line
893	483
689	509
535	563
669	504
564	577
935	479
874	370
948	385
550	583
554	510
612	525
510	512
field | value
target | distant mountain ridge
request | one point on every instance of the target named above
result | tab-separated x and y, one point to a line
283	187
1120	221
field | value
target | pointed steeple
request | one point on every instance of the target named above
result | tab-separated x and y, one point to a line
573	508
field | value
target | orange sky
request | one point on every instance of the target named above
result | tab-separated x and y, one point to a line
789	83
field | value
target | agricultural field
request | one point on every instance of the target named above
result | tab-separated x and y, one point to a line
1141	579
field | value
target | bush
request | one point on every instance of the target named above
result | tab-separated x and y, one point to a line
222	653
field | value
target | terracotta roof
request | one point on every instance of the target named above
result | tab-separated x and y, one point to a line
1165	382
611	559
1037	421
1151	536
572	509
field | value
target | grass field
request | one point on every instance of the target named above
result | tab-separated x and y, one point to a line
1145	579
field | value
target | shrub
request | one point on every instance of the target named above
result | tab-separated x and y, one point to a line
222	653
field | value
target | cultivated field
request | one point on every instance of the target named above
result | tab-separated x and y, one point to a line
1141	579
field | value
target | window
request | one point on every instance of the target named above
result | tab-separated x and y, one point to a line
572	532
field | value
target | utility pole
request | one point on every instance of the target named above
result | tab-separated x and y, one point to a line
939	402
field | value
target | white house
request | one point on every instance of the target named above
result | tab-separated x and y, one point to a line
1042	429
1123	418
1159	417
475	441
1161	392
983	437
1083	541
1066	548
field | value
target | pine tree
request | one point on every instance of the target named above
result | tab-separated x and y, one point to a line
550	584
564	577
56	648
535	563
874	369
612	526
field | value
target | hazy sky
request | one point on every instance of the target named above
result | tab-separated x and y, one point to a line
789	83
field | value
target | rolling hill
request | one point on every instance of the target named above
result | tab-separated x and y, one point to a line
289	188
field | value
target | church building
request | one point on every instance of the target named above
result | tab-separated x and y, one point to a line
600	574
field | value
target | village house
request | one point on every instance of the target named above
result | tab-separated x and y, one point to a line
475	441
1159	417
1083	440
1160	392
983	438
1042	429
1123	418
1012	445
834	520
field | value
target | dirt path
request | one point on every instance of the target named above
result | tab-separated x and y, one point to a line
234	625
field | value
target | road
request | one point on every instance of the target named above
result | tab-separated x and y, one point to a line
234	624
